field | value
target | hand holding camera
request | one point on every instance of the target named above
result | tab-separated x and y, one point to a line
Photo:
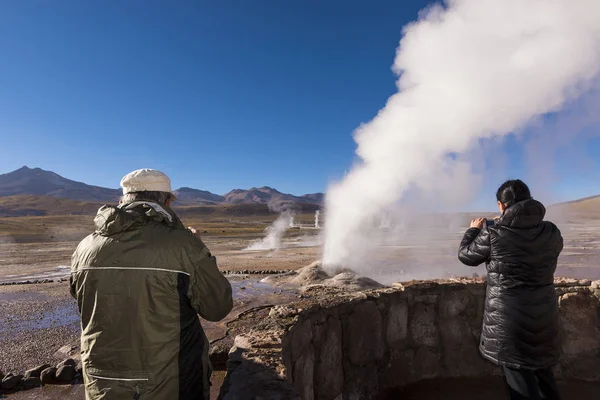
194	231
479	223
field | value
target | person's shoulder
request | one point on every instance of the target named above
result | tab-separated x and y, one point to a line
90	243
553	228
181	235
551	225
187	240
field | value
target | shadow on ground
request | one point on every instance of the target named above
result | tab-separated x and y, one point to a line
477	389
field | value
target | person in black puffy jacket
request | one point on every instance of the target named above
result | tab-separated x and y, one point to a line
521	320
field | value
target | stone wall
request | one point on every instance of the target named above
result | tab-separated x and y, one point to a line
339	346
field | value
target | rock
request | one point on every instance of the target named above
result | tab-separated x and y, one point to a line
304	374
399	370
302	338
364	384
329	373
580	323
364	331
282	312
31	382
302	352
352	281
79	368
68	361
218	354
66	351
427	364
65	374
569	282
35	372
48	375
397	325
310	274
10	381
423	325
460	349
453	302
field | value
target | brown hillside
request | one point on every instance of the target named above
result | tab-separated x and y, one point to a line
19	206
22	206
588	207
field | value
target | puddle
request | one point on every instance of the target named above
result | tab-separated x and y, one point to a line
64	315
243	289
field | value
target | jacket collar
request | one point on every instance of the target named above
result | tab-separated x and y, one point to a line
111	220
157	208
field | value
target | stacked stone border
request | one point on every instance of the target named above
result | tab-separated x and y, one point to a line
65	373
340	346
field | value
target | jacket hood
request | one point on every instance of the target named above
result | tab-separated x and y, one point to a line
111	219
524	214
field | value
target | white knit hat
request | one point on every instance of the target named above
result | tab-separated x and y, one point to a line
145	179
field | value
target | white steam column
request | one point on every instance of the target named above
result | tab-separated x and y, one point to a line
275	232
469	70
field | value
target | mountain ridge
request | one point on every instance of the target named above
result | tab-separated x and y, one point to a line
27	181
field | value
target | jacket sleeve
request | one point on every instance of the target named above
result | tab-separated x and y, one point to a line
210	292
559	238
475	247
72	283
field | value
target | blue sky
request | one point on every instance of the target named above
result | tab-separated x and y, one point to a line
218	94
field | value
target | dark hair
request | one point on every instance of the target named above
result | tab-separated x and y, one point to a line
512	192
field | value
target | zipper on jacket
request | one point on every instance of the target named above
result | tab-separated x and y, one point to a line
136	396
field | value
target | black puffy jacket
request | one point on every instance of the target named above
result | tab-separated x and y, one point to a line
521	320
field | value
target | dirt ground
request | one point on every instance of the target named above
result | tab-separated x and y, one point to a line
22	261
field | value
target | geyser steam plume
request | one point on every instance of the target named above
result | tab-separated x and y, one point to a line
468	70
275	232
317	219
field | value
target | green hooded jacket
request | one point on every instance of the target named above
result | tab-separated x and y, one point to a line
140	281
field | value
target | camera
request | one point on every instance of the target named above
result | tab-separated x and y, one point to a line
489	222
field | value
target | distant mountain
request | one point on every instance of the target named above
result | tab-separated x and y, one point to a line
276	200
36	181
255	195
189	196
31	205
317	198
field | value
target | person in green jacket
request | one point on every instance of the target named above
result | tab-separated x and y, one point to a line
140	281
